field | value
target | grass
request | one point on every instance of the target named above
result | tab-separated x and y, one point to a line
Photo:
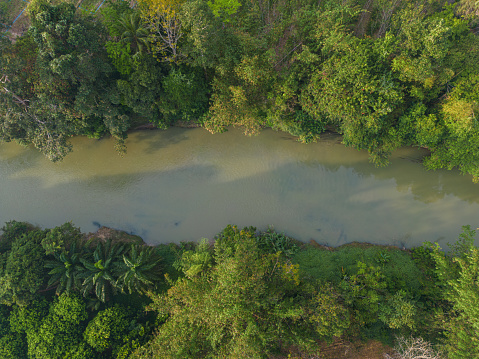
10	10
331	265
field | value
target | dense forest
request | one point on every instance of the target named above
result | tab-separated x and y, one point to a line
383	73
245	294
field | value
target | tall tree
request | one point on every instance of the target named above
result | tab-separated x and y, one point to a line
67	88
66	269
458	274
24	272
247	305
100	270
139	270
163	22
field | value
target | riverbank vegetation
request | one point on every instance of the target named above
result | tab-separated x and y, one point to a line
383	73
246	293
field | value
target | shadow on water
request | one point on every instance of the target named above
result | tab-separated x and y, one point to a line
426	185
15	157
157	139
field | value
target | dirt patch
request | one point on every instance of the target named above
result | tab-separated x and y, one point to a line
365	245
105	233
187	124
146	126
355	350
315	244
341	349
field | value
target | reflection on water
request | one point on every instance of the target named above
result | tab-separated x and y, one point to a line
184	184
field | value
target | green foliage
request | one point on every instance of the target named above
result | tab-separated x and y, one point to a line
224	8
11	231
56	239
131	31
273	242
141	90
250	294
194	263
185	95
458	274
241	94
107	329
302	126
13	346
61	82
227	239
111	13
4	321
60	331
384	73
243	307
459	111
398	311
400	270
24	272
329	316
363	292
100	270
120	55
28	318
82	351
66	270
140	269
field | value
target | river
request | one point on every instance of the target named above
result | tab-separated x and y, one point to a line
184	184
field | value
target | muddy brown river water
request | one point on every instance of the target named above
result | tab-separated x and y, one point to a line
184	184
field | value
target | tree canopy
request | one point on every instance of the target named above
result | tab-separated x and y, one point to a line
384	74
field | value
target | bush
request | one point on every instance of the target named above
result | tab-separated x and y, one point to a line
397	266
414	348
107	329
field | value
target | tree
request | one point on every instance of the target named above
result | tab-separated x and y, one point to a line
194	262
162	20
57	82
241	94
354	90
11	231
13	346
131	31
139	270
100	270
60	331
107	329
224	8
66	270
24	269
363	293
458	275
458	145
247	305
58	239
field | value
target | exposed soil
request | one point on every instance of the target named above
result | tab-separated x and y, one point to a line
105	233
341	349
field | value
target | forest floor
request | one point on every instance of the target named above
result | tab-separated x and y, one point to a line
342	349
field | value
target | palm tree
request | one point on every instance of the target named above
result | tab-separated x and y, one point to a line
131	31
66	269
99	273
140	269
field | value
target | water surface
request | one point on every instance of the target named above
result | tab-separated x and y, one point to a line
184	184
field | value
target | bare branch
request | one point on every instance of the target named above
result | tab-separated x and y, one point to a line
414	348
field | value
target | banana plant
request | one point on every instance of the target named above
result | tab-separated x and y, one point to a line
100	270
66	269
139	270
